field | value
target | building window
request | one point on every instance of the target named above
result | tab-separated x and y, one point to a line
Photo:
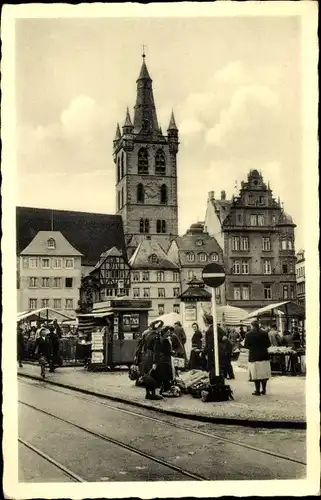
236	267
267	289
161	309
253	220
122	165
143	161
284	245
292	292
32	304
145	275
44	302
153	259
51	243
70	263
266	244
175	276
57	303
161	226
25	262
273	220
136	276
245	267
284	268
69	304
190	275
163	194
203	257
144	226
160	165
68	282
140	194
245	292
235	243
57	263
285	292
257	220
176	308
261	200
214	257
260	220
122	197
267	269
175	292
118	169
45	283
33	282
290	245
146	292
217	292
136	292
160	276
45	263
56	283
244	243
199	243
190	257
161	292
237	293
141	225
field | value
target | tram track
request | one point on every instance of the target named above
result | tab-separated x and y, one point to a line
176	468
185	428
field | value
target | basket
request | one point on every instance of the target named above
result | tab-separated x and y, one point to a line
179	362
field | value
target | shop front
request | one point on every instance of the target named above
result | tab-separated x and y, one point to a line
116	326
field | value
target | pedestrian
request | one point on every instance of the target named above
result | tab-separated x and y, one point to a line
274	336
54	355
180	333
235	338
57	328
209	345
43	349
257	341
242	333
164	374
20	346
225	354
150	358
195	361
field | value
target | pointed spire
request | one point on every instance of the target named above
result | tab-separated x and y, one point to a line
145	117
118	134
128	122
172	123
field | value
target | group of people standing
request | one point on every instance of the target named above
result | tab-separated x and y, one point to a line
46	347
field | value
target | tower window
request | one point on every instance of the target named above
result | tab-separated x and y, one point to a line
161	226
122	165
118	169
143	161
140	193
160	166
163	194
144	226
118	200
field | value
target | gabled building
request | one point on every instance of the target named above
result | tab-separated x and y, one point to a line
300	277
258	247
109	279
192	252
146	171
156	277
216	212
49	274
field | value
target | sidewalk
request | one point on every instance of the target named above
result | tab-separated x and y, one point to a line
284	405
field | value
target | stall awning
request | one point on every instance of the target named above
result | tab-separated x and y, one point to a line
96	314
288	307
52	313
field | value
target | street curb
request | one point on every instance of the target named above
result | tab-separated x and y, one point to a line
267	424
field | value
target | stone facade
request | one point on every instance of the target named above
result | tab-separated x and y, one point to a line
258	248
300	277
146	172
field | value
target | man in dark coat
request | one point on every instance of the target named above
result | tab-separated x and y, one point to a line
54	357
209	346
43	349
181	335
20	346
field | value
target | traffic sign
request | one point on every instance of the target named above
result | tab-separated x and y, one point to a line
213	275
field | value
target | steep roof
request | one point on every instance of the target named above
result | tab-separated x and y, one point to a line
39	245
145	116
112	252
222	208
90	233
141	258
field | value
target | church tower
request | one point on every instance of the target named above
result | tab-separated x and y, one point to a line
146	171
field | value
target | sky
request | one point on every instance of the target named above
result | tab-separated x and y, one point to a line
233	83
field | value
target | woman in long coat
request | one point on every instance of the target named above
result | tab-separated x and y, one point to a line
257	341
195	361
163	358
209	346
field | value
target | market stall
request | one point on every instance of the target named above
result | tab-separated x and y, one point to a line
115	327
287	358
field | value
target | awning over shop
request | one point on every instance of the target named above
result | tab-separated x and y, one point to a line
44	313
289	308
228	315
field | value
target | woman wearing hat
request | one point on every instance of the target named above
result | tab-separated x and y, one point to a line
257	341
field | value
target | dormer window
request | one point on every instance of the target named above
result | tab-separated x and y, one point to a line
191	257
199	243
153	259
203	257
51	243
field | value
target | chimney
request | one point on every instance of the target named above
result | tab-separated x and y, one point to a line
223	195
211	195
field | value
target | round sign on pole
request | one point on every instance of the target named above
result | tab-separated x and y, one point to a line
213	275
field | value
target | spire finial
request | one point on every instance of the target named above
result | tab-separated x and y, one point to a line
143	54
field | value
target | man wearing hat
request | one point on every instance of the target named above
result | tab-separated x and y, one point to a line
43	349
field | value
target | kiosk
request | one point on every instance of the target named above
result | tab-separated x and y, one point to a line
116	326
